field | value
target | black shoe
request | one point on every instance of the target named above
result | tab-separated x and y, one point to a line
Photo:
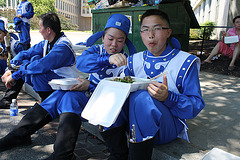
141	150
35	119
11	141
4	104
116	141
51	157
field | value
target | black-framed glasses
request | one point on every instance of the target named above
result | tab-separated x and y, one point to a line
154	29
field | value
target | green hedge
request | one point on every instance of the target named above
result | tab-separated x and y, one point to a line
198	33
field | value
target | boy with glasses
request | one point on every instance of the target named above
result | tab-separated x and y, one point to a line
157	116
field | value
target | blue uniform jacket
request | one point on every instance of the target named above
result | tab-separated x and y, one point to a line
61	55
29	8
95	60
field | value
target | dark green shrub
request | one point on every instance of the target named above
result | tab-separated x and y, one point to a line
194	34
9	14
35	23
198	33
2	3
208	30
66	23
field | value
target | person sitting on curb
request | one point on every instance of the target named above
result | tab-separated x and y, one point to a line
52	58
15	48
101	61
156	116
233	51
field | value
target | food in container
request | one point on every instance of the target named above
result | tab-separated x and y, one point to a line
108	98
126	79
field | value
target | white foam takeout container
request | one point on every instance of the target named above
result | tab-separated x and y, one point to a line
108	98
231	39
63	84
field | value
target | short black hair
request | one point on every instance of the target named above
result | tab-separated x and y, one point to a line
157	12
234	19
52	21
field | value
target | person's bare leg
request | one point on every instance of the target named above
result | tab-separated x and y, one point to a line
212	54
236	53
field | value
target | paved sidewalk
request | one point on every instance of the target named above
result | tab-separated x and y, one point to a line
88	146
218	125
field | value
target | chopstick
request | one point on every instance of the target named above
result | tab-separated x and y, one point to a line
161	74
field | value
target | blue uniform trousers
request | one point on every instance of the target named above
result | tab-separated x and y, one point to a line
39	82
65	101
24	35
3	66
151	118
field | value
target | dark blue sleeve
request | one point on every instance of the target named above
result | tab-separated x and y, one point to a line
90	61
29	10
127	72
188	104
19	48
60	56
27	54
92	86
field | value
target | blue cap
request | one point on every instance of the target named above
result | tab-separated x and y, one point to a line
17	20
2	26
118	21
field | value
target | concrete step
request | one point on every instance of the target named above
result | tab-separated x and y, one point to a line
157	154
